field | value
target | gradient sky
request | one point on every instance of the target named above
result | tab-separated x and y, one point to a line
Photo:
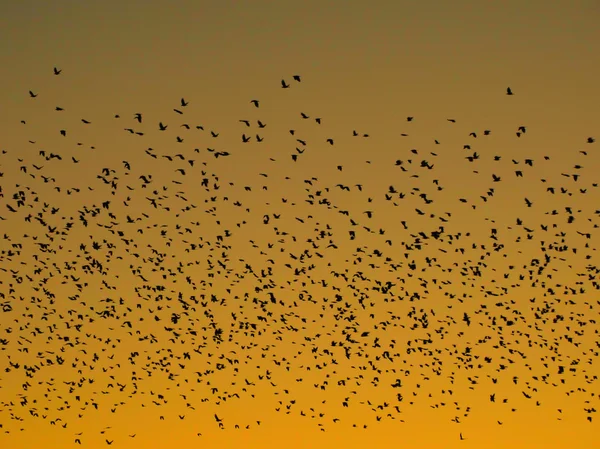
364	66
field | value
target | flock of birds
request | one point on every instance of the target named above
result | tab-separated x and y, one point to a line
185	275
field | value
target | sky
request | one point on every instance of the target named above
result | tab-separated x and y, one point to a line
426	278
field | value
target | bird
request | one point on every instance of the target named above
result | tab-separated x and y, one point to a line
509	91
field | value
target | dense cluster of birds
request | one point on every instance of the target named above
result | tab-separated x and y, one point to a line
160	266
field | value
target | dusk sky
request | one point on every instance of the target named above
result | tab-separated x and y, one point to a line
299	224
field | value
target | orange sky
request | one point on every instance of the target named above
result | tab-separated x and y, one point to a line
269	224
